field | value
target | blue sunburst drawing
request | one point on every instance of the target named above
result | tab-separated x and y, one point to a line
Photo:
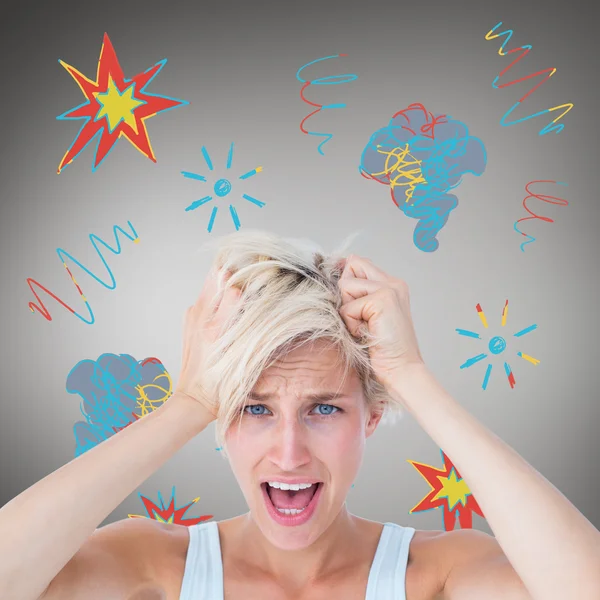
221	188
497	345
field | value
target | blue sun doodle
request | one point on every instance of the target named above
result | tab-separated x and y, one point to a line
221	188
496	346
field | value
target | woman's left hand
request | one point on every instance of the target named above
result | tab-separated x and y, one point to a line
373	299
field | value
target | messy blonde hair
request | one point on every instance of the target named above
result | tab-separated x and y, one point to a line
290	297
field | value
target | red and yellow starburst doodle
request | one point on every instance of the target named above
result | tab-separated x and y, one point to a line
114	107
169	514
448	491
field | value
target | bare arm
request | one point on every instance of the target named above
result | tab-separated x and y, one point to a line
551	546
550	551
44	526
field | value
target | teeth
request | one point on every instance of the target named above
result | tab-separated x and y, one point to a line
289	486
290	511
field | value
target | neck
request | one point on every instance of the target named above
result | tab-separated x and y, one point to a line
331	552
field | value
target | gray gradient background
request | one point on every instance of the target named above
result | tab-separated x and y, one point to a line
236	65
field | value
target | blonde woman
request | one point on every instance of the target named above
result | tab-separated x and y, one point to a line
298	357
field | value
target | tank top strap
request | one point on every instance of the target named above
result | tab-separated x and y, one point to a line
203	575
387	577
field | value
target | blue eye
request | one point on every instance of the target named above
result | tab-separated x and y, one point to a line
260	410
327	412
255	413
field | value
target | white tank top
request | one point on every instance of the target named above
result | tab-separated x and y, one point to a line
203	575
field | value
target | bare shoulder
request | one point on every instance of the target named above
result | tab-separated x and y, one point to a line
425	569
131	558
434	554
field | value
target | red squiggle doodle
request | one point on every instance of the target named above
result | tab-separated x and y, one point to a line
552	126
543	198
41	308
330	80
426	130
153	360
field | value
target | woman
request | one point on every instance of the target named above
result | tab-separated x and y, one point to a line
297	357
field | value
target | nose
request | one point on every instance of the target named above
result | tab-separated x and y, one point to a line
289	448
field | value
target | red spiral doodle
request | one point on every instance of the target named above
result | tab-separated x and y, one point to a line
543	198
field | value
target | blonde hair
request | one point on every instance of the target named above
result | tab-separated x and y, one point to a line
290	297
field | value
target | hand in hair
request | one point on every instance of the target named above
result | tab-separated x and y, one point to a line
379	303
203	322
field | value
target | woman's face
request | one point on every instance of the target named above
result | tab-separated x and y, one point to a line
301	424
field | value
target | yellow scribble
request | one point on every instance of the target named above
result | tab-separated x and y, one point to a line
406	167
144	403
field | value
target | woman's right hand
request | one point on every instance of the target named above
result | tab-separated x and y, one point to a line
203	322
51	542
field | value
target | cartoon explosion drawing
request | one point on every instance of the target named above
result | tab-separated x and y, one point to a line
114	107
496	345
221	188
169	514
448	491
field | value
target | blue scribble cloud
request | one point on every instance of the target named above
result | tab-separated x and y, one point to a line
116	390
422	157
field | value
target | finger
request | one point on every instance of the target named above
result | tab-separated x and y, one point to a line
359	311
208	287
354	324
341	263
212	285
353	287
212	293
221	277
185	351
359	266
229	303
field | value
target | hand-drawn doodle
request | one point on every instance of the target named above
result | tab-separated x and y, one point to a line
42	309
450	492
114	107
496	345
543	198
169	514
116	391
329	80
524	50
221	188
421	157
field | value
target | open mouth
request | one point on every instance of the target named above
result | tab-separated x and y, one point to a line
291	507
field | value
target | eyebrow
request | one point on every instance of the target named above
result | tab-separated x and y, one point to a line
320	397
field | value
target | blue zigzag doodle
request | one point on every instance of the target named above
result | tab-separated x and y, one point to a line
63	253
